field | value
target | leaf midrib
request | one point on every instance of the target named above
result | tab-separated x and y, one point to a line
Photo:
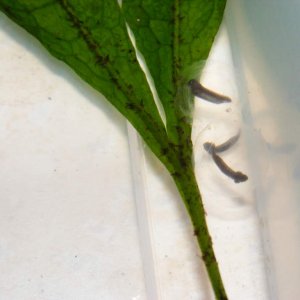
175	50
93	45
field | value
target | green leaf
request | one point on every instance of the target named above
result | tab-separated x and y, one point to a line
175	37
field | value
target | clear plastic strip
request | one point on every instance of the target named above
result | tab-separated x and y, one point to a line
142	212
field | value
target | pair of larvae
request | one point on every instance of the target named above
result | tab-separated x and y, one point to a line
200	91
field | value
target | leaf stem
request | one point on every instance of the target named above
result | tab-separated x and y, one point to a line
188	188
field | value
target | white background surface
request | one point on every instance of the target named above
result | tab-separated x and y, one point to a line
68	227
